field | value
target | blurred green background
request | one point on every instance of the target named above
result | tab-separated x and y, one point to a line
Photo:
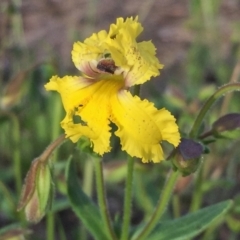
198	42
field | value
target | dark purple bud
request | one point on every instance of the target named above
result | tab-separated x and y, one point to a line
188	156
190	149
227	122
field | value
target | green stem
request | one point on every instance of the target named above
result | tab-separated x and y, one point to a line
16	153
56	116
161	206
127	199
197	194
220	92
176	206
44	157
50	226
88	177
87	188
102	199
57	106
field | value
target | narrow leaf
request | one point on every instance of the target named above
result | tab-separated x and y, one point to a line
82	205
190	225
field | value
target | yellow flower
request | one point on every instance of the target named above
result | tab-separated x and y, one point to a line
110	64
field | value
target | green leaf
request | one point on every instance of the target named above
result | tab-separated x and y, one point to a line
190	225
82	205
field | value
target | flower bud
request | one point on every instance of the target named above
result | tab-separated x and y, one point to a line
36	192
188	156
14	234
227	122
186	167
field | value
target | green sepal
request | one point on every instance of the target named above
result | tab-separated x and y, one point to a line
44	185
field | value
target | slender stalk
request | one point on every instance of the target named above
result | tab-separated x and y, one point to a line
220	92
88	177
127	199
16	153
49	150
50	226
44	157
56	116
128	187
87	188
197	194
102	199
206	134
62	234
161	206
176	206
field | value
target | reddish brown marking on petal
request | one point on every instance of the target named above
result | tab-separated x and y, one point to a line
107	65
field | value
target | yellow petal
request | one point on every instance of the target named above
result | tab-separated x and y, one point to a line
145	66
132	26
141	127
76	131
74	91
95	115
138	60
100	141
91	49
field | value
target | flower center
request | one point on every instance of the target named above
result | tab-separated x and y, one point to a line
107	65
